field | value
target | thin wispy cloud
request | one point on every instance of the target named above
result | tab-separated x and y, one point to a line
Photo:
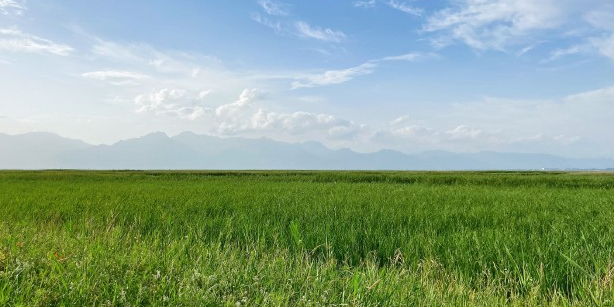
494	24
411	57
14	40
114	74
333	76
364	4
561	53
11	7
116	77
274	25
604	45
315	67
405	8
322	34
274	8
146	56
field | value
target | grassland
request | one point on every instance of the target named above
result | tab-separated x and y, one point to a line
72	238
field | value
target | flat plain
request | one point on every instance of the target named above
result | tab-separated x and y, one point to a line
277	238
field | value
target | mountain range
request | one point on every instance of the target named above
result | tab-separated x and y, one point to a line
42	150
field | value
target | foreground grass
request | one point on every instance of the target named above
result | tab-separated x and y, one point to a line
306	239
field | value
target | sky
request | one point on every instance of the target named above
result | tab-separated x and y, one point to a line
533	76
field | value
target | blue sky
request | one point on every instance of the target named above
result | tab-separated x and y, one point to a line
410	75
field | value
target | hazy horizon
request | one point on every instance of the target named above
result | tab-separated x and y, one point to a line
189	151
406	75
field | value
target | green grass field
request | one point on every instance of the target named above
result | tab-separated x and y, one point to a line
77	238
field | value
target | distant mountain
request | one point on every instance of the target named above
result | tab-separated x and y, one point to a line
192	151
36	150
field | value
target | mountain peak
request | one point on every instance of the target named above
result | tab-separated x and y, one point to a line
157	134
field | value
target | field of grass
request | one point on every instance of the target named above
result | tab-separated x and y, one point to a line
77	238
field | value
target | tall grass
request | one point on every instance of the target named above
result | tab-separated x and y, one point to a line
306	238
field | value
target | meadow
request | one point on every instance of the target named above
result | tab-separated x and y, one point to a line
276	238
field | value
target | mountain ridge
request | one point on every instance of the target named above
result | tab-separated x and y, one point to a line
188	150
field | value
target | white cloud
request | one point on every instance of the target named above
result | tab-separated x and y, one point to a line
333	76
604	45
494	24
123	53
246	97
243	116
327	35
274	8
601	17
240	117
195	72
173	102
411	57
12	39
415	132
399	120
170	62
598	31
576	125
464	132
10	7
564	52
275	25
364	3
405	8
600	96
303	122
234	118
116	77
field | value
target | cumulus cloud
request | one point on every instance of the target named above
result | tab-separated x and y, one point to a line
405	8
494	24
326	34
246	97
303	122
274	8
11	7
244	116
239	117
333	76
173	102
12	39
